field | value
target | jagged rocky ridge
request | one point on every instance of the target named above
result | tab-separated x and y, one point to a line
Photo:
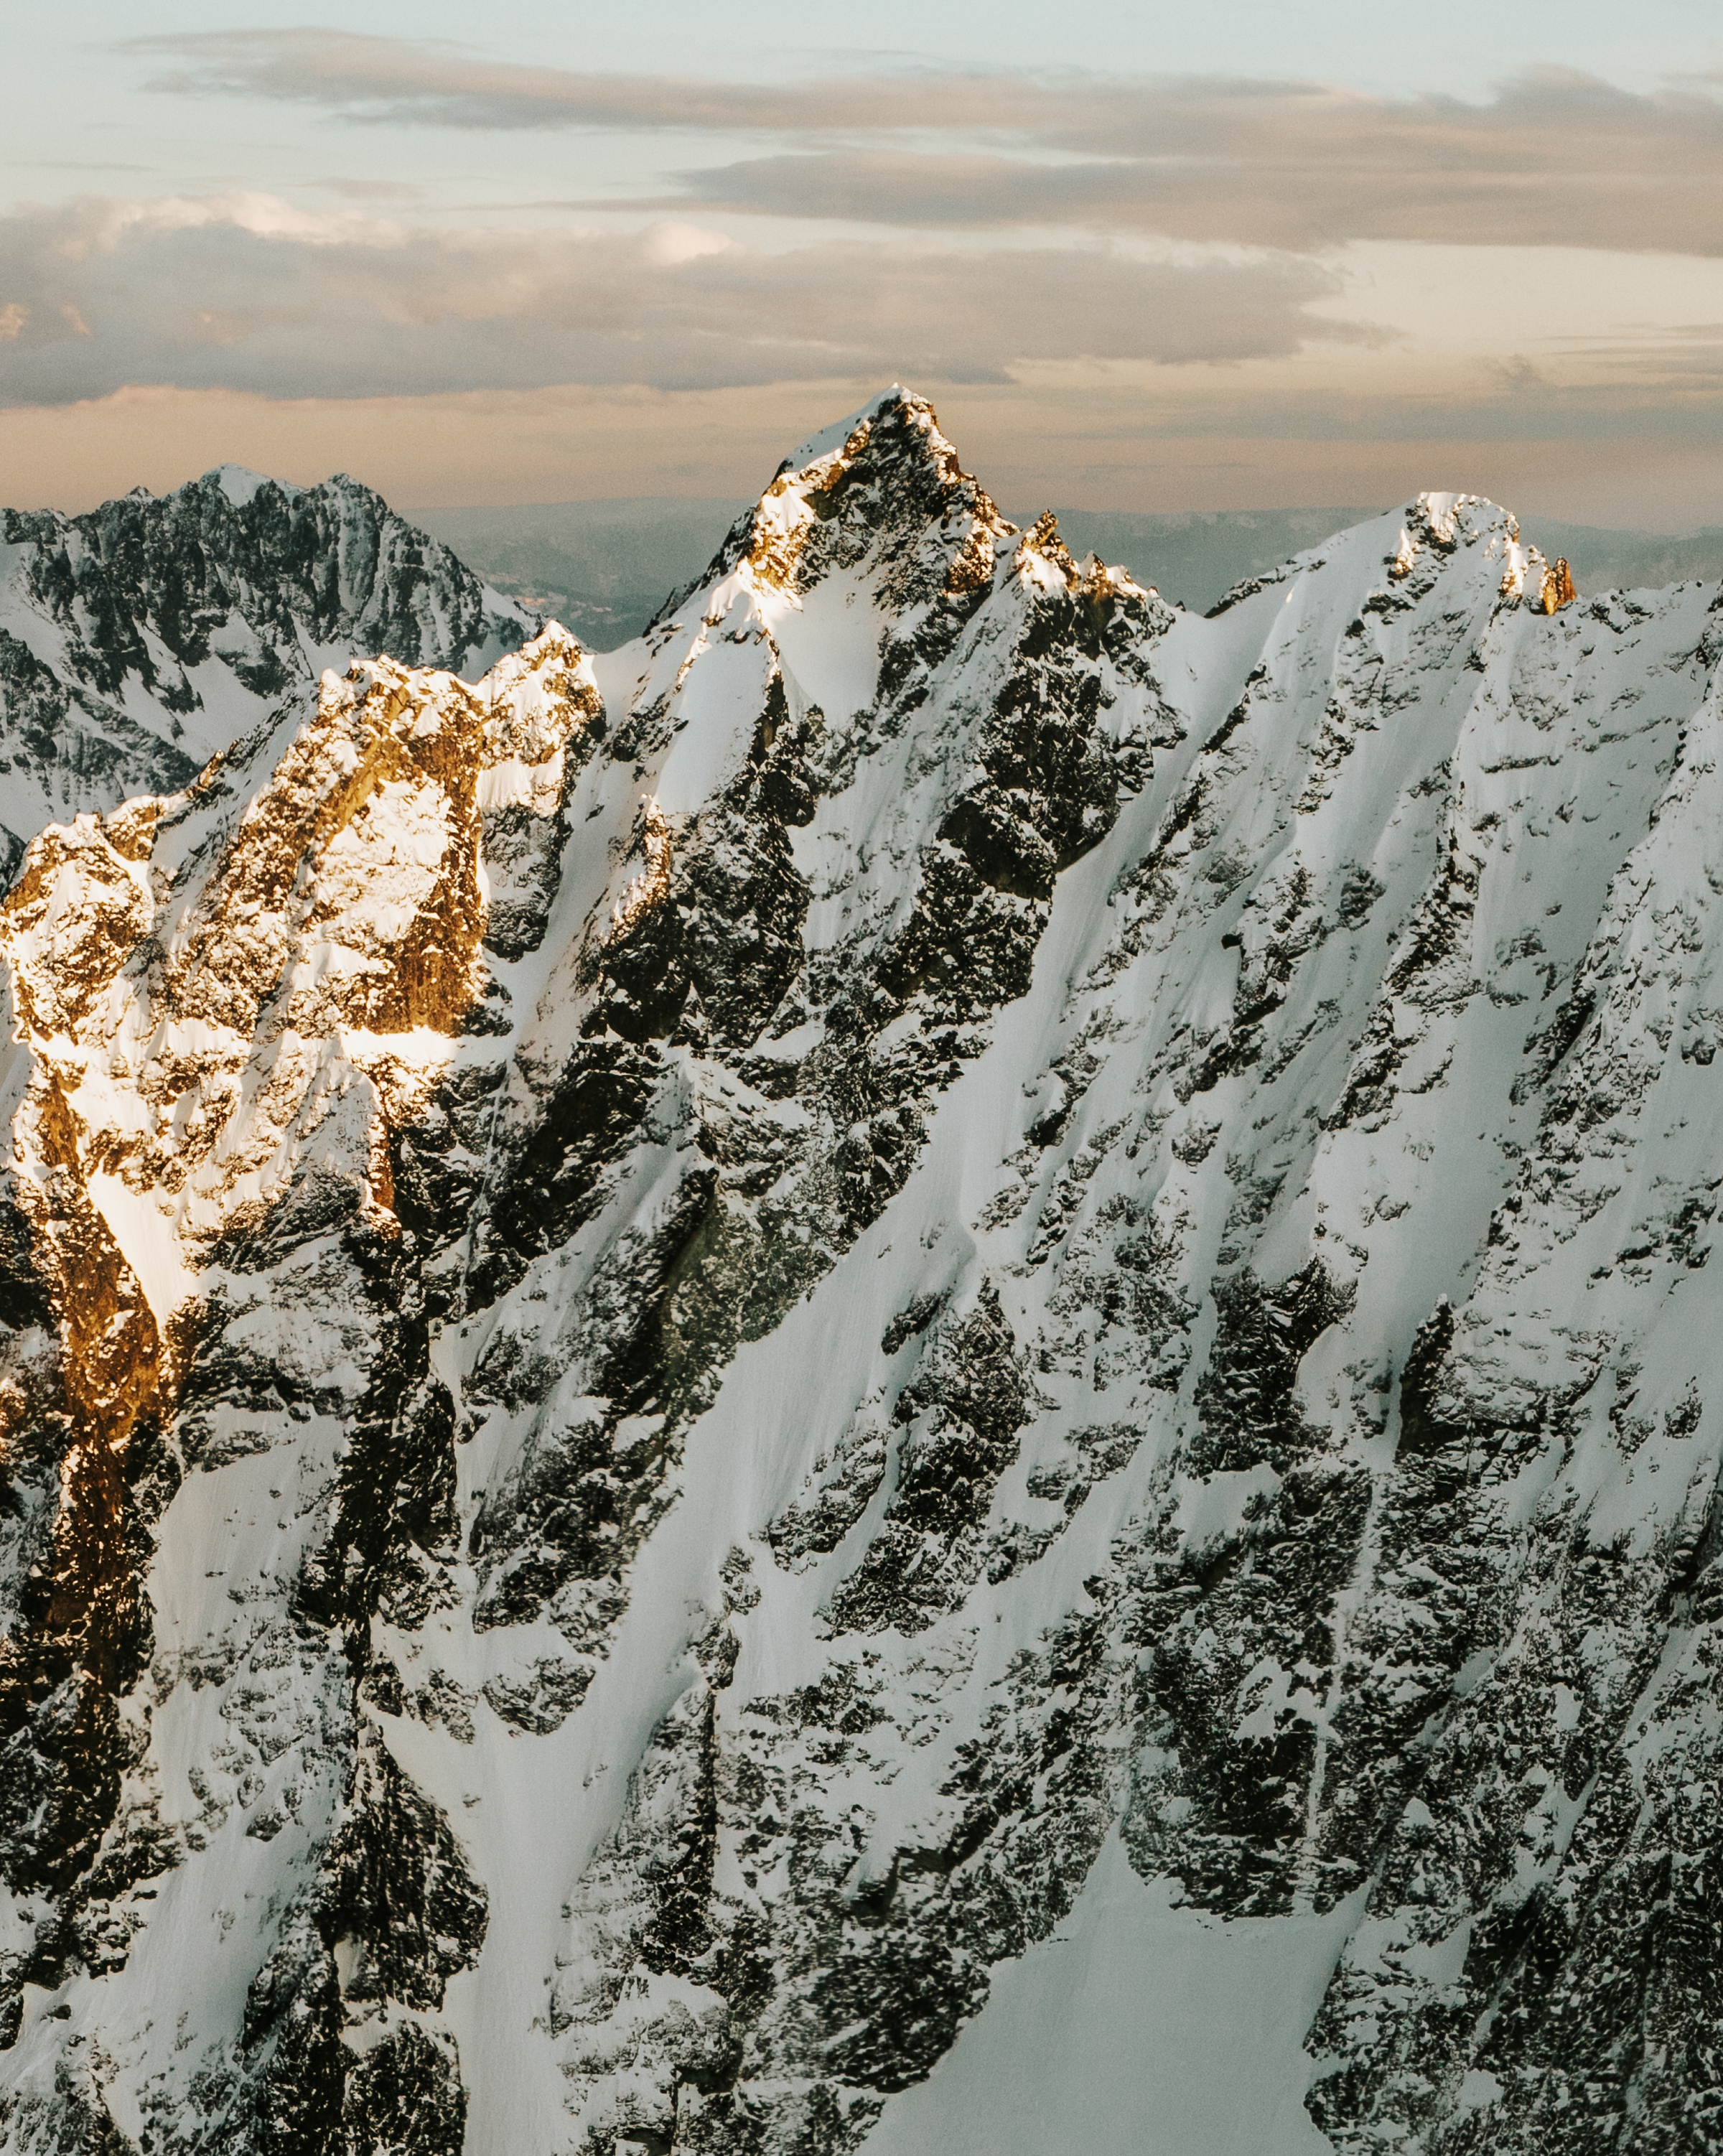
685	1331
142	639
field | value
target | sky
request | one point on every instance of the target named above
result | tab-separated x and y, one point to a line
1142	257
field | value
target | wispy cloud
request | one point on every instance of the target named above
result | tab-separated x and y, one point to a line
252	294
1260	192
398	81
1554	158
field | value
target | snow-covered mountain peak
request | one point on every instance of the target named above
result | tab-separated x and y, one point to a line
241	485
246	988
827	441
142	639
885	501
707	1355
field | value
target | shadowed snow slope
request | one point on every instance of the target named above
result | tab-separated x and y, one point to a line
943	1281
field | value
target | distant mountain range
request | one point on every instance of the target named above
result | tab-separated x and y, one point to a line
603	567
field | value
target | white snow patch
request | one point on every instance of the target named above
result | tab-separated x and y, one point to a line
1139	2029
148	1242
239	484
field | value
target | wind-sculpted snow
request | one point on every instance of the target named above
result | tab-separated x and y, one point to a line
687	1333
138	641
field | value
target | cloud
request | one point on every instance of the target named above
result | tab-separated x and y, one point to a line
1285	195
666	244
1555	158
247	293
398	80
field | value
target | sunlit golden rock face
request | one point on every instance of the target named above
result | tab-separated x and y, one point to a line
202	977
1556	590
217	993
1543	586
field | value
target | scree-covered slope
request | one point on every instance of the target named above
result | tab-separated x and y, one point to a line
139	640
944	1321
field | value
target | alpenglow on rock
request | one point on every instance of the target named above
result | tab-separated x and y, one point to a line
138	641
928	1368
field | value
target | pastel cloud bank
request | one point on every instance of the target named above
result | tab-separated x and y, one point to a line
1185	276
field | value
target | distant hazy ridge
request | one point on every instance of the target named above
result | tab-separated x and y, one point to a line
604	567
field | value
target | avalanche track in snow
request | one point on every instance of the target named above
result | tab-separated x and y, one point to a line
941	1278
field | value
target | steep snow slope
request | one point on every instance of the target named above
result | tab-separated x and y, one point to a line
137	641
701	1344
